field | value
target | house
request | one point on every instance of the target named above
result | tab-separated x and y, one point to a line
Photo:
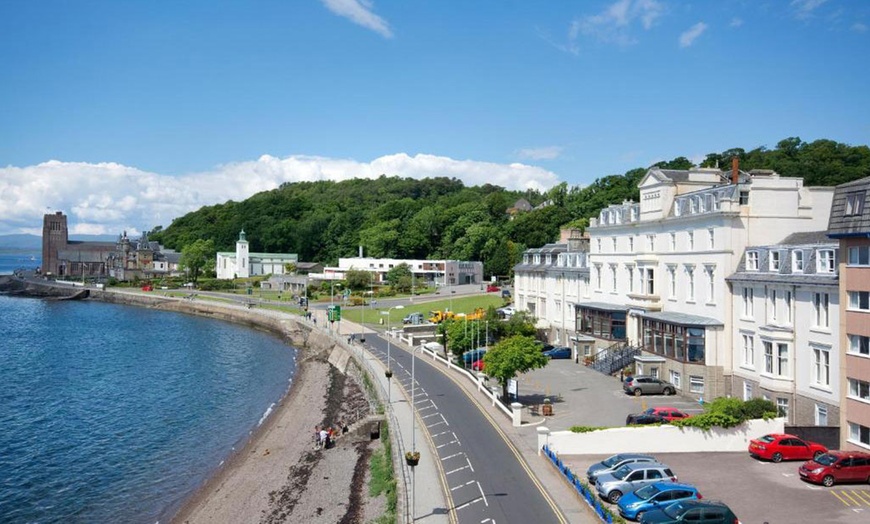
424	272
244	264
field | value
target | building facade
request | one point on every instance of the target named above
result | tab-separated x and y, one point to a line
244	264
850	226
785	328
658	267
425	272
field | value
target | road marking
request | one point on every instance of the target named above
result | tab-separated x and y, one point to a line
458	469
850	497
456	441
442	433
860	495
435	424
463	485
469	503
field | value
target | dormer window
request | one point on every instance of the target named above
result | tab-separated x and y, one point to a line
744	197
797	261
634	210
752	260
702	204
774	261
854	203
825	262
537	258
678	207
693	203
525	260
548	260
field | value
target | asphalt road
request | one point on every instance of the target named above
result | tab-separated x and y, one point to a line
488	482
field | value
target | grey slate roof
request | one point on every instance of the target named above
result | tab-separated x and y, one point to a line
814	279
676	175
810	237
683	319
841	225
604	306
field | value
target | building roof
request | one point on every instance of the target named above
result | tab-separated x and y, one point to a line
604	306
847	219
814	279
683	319
809	237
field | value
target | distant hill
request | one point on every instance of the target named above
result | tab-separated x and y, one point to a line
31	242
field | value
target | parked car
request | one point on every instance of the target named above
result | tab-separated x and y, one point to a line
492	288
559	352
706	511
413	318
475	354
506	312
477	365
633	505
611	486
835	467
654	415
615	462
505	293
648	385
778	447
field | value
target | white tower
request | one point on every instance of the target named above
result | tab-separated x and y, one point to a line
243	261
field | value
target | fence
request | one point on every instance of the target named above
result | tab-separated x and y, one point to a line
585	492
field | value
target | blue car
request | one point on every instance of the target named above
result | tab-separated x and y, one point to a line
475	354
653	497
561	352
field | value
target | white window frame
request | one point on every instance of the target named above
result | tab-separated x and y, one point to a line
673	241
782	407
786	302
630	269
696	384
672	281
676	379
822	310
826	261
859	434
710	271
651	243
691	240
774	261
821	367
783	360
748	302
797	261
771	305
690	283
854	203
747	390
859	390
767	345
711	238
752	261
821	415
613	278
749	351
649	281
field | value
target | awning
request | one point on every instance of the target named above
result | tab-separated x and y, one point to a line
604	306
683	319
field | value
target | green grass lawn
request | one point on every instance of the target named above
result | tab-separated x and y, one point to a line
460	305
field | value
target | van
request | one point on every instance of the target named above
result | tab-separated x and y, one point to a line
413	318
835	467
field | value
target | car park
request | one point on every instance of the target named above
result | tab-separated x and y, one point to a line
648	385
655	415
835	467
778	447
698	511
558	352
633	505
615	462
611	486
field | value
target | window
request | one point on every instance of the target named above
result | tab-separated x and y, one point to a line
613	242
602	324
690	283
786	314
649	281
691	238
859	345
711	284
854	203
782	360
650	242
744	198
673	241
711	238
613	278
676	379
747	390
693	203
825	261
782	407
680	342
820	306
774	260
634	211
672	281
859	300
797	261
678	207
771	306
598	277
859	389
859	433
859	256
631	244
768	357
748	350
821	415
748	310
630	270
752	260
598	245
696	384
822	367
701	204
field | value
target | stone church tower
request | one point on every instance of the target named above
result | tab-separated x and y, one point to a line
55	237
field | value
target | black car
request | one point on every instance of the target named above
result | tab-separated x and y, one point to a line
691	511
643	418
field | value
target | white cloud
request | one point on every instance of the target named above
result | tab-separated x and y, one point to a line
108	198
614	24
805	8
360	13
688	37
858	27
736	22
540	153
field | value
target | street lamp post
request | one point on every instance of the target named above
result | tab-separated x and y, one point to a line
413	429
389	362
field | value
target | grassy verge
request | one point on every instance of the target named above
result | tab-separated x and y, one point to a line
382	479
463	304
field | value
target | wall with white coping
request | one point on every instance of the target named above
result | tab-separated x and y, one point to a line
657	439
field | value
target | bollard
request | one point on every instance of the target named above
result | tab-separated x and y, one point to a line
517	414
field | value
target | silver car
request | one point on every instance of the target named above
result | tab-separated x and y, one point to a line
648	385
611	464
611	486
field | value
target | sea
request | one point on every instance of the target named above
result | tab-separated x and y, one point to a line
113	413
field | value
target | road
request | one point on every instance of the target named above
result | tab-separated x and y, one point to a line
488	480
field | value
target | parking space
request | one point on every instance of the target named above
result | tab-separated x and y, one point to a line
758	491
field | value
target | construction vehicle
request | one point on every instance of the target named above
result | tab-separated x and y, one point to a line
477	314
437	317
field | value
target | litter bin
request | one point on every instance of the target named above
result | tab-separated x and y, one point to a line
375	431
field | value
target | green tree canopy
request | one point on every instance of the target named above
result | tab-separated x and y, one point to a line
513	355
358	279
198	257
399	278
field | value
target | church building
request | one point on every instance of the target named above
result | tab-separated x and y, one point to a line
243	264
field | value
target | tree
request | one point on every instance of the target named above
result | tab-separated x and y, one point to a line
290	268
198	257
513	355
358	279
399	277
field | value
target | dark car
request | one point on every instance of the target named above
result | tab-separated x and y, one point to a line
615	462
633	505
836	467
648	385
559	352
661	414
698	511
778	447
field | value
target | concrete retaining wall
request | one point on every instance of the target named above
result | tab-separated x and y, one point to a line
657	439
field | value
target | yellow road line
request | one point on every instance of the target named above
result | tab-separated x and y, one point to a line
834	493
846	494
863	496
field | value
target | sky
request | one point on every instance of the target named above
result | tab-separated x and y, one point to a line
127	115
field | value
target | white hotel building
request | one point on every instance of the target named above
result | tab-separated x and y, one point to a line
657	268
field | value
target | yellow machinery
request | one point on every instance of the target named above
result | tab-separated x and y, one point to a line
437	317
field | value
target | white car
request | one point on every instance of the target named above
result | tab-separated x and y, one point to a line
507	312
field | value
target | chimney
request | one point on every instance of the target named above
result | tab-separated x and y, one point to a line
735	169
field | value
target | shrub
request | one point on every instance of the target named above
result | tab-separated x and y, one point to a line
585	429
758	408
727	412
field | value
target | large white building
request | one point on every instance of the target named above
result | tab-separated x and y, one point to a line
425	272
785	324
244	264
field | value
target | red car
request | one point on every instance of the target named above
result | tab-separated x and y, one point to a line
778	447
477	365
491	289
667	413
836	467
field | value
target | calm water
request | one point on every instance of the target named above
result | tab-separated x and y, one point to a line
12	260
115	414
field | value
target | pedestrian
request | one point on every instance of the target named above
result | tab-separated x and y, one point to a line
324	438
316	437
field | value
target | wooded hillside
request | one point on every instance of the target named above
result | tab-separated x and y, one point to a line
441	218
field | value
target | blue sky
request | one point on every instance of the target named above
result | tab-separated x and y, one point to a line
128	114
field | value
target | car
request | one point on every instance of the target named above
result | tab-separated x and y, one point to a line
835	467
559	352
778	447
506	312
477	365
614	462
648	385
706	511
492	288
654	415
475	354
505	293
413	318
544	347
632	506
629	477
